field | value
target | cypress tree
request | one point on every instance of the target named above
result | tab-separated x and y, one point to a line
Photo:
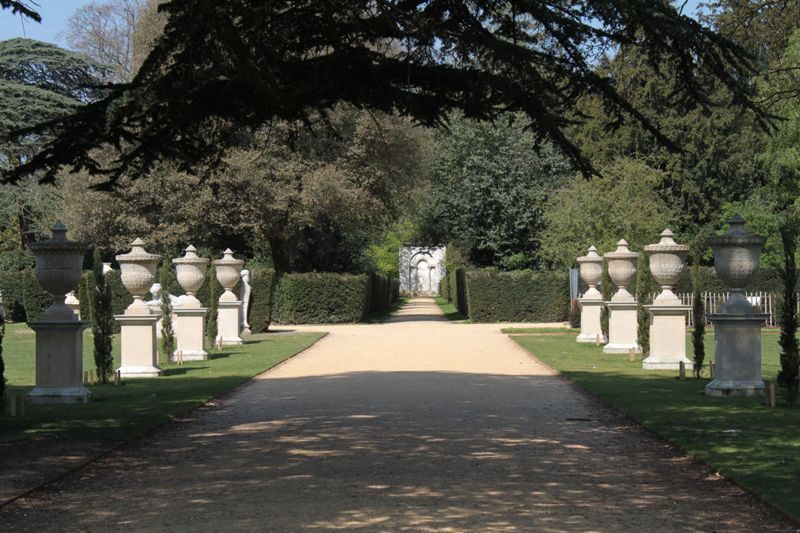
605	288
2	363
102	322
211	321
644	287
790	358
84	295
699	313
167	330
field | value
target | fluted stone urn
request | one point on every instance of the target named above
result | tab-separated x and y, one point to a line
59	333
138	324
59	264
737	324
622	322
591	270
229	314
190	314
138	270
667	314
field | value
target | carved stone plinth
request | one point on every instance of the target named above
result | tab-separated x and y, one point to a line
737	355
622	328
191	327
667	337
138	341
59	363
590	321
228	320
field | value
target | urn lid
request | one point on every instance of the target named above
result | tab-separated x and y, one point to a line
591	257
736	235
191	258
58	242
666	245
622	252
229	260
137	254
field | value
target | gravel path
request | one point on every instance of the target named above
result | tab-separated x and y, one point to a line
415	425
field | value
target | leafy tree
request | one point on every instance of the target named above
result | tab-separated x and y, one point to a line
102	322
246	64
488	188
699	313
384	255
167	330
644	290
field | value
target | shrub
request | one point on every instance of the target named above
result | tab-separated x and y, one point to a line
262	286
521	296
11	287
85	289
35	299
457	280
314	298
213	303
103	323
165	276
606	288
699	314
120	297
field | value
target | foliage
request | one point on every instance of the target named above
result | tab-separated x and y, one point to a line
246	64
85	292
622	203
103	323
644	289
2	361
489	183
575	314
790	354
213	304
457	281
384	254
699	314
120	297
262	284
34	297
523	296
321	298
167	330
607	289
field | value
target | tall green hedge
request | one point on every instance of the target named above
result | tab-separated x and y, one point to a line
521	296
262	284
457	289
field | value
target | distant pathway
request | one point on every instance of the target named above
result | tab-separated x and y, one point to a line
416	425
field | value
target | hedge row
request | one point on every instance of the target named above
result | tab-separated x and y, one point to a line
456	289
522	296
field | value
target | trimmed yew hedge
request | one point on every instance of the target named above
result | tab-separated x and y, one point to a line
521	296
262	285
457	289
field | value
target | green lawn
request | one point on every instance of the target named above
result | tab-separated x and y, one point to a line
757	446
123	412
450	312
522	331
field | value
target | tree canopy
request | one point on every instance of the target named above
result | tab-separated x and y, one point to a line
219	67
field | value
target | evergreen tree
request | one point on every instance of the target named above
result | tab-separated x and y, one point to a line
211	320
2	363
605	288
167	330
644	288
85	290
790	355
699	313
102	322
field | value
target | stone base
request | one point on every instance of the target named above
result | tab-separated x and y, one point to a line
590	321
667	337
191	332
59	362
190	355
737	354
622	328
735	388
138	346
59	395
228	320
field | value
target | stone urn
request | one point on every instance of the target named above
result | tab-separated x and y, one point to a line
59	265
622	269
591	266
228	274
736	257
666	265
191	271
138	270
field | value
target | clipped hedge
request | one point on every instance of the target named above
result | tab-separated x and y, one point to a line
520	296
457	289
259	313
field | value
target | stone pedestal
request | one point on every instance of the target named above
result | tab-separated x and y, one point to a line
590	321
138	341
667	337
622	327
191	327
737	355
59	363
228	320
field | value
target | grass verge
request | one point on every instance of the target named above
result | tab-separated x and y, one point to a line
450	312
126	411
538	331
756	446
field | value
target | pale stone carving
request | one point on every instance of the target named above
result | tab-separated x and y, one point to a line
622	323
591	266
73	303
59	333
138	324
667	314
245	292
229	307
190	314
737	324
422	269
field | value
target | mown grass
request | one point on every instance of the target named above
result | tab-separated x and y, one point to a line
450	312
522	331
125	411
757	446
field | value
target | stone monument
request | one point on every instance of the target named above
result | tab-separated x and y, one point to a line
622	323
592	302
422	270
737	324
59	333
190	313
229	308
73	303
667	314
138	324
245	292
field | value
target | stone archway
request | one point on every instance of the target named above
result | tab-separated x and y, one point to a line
421	270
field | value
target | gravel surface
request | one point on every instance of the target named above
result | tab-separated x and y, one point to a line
416	425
